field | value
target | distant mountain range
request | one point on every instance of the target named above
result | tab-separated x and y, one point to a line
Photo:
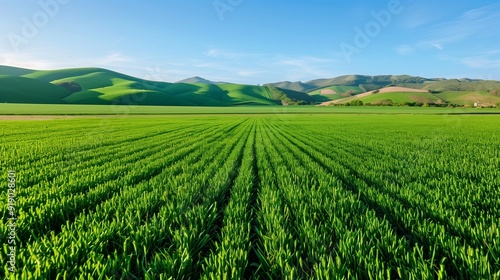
369	89
367	83
102	86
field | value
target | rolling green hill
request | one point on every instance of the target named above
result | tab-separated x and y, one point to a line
365	82
14	71
469	98
345	84
295	86
14	89
289	97
409	96
335	92
102	86
397	97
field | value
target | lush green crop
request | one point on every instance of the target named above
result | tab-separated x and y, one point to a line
50	109
252	196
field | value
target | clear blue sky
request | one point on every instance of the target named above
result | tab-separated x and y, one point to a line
254	41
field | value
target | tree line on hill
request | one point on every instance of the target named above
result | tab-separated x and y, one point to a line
389	102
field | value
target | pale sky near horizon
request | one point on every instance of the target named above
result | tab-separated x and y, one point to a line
254	42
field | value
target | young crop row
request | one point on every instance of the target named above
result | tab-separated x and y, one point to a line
384	180
271	197
90	202
49	206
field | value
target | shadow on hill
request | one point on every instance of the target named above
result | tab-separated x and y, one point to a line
297	95
158	98
320	98
202	95
181	88
150	85
219	94
87	97
213	95
251	91
15	89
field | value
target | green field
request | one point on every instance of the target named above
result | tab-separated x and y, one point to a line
397	98
273	196
469	98
340	92
50	109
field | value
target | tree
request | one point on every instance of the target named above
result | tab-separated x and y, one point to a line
71	86
356	103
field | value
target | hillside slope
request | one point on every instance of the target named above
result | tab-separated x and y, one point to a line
411	96
14	89
369	83
102	86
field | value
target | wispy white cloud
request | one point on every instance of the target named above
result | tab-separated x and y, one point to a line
305	60
210	64
226	54
213	64
486	61
43	59
260	66
437	46
250	72
477	23
25	60
405	50
430	45
112	58
306	67
419	14
164	72
215	53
